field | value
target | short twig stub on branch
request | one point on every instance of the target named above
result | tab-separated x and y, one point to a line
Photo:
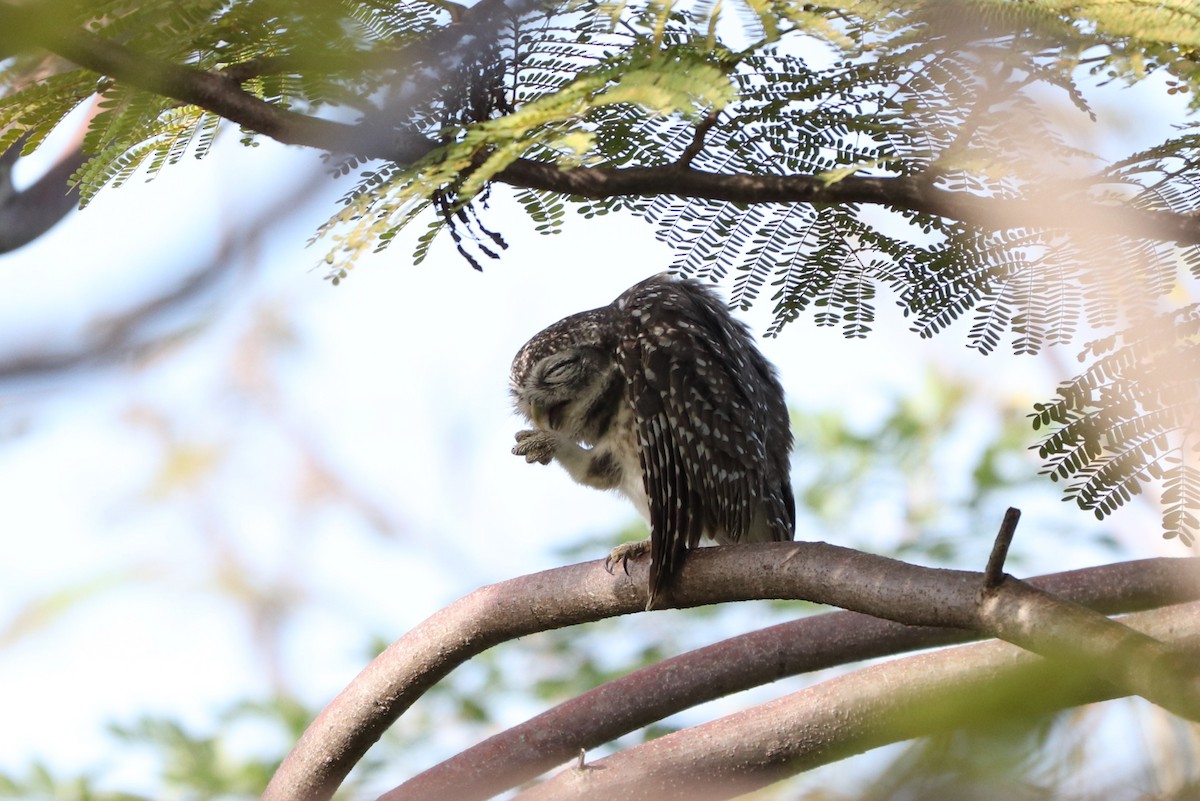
993	574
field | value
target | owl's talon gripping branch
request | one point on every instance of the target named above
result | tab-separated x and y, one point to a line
623	553
663	396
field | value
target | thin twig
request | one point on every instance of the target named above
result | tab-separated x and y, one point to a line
697	144
993	574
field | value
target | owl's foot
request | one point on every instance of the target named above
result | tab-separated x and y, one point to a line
536	446
623	553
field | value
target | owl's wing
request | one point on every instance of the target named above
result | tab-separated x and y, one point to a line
698	388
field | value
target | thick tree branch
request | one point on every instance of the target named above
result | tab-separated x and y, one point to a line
1084	641
819	572
814	643
1051	626
875	706
221	94
905	193
215	92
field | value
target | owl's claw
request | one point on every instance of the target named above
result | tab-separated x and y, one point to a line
536	446
623	553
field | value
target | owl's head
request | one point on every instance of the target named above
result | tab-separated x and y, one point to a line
560	373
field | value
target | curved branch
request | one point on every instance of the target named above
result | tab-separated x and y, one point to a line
118	337
581	593
221	94
638	699
862	710
27	214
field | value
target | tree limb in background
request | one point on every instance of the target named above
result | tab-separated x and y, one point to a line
1054	627
124	334
818	572
28	213
875	706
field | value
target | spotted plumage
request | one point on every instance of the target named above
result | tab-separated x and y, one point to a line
663	395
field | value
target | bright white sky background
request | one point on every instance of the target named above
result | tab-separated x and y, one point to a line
397	379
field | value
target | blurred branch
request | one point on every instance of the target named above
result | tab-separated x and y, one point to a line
207	90
739	663
819	572
221	94
875	706
121	336
135	329
27	214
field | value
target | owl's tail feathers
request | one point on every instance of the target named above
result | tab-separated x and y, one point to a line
774	519
662	574
660	587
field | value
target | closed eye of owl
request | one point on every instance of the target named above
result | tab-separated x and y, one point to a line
663	396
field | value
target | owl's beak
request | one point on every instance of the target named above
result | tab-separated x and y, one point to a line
538	415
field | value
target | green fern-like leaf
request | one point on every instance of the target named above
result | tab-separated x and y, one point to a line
33	111
1129	419
1181	500
545	209
543	127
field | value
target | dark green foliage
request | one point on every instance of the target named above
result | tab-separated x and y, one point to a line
1131	418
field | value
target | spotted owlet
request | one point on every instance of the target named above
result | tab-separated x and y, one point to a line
663	395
